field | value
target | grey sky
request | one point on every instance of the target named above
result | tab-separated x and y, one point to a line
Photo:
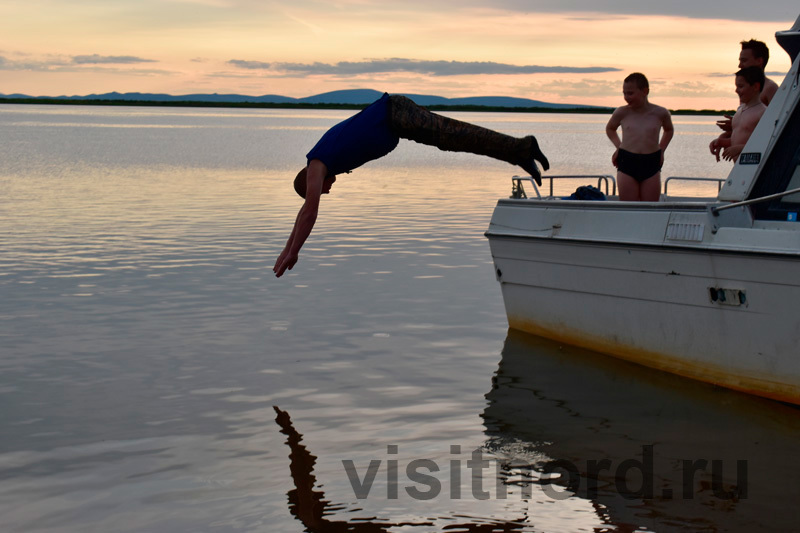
433	68
96	59
769	10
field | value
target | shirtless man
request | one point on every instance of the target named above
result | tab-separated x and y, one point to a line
754	54
730	144
639	155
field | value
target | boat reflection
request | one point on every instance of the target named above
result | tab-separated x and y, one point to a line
649	449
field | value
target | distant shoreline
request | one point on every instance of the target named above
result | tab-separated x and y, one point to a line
261	105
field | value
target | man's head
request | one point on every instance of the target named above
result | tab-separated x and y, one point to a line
749	82
754	54
300	182
635	88
639	79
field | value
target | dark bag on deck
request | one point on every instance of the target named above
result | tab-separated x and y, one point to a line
587	192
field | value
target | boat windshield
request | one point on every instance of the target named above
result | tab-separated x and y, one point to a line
781	172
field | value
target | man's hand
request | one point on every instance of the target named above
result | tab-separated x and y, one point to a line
726	124
715	148
285	262
732	153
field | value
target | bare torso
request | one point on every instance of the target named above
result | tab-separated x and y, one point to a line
745	121
641	128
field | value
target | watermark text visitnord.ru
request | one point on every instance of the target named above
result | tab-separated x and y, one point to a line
483	478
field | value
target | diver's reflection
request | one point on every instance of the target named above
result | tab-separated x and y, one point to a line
310	507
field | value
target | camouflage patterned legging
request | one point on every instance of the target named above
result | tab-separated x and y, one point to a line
410	121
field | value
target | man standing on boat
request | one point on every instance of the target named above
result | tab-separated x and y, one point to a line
730	144
754	54
639	155
374	132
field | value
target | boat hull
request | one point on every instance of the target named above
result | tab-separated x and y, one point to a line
719	316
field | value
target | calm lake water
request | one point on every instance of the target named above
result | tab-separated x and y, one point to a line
145	345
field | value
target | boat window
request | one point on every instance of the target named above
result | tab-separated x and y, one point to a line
794	183
781	172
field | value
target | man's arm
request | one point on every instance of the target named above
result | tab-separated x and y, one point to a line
667	134
611	131
718	144
306	218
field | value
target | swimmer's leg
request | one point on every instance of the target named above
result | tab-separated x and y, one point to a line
416	123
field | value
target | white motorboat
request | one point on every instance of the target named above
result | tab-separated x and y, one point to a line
704	288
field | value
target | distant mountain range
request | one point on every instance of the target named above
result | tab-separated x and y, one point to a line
348	97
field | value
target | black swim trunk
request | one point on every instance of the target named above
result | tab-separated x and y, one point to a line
639	166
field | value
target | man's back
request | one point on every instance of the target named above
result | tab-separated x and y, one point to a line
770	88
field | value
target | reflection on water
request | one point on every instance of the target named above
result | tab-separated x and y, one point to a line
310	507
144	341
646	451
698	457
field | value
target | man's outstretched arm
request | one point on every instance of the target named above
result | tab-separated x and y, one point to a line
305	220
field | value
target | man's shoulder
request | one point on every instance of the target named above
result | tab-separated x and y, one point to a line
618	115
770	88
658	110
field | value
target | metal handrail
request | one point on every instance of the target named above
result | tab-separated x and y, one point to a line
517	191
602	181
715	210
719	181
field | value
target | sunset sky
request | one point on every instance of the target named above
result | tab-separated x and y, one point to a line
565	51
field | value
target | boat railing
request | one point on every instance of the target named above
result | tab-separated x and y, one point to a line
719	181
605	183
715	210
